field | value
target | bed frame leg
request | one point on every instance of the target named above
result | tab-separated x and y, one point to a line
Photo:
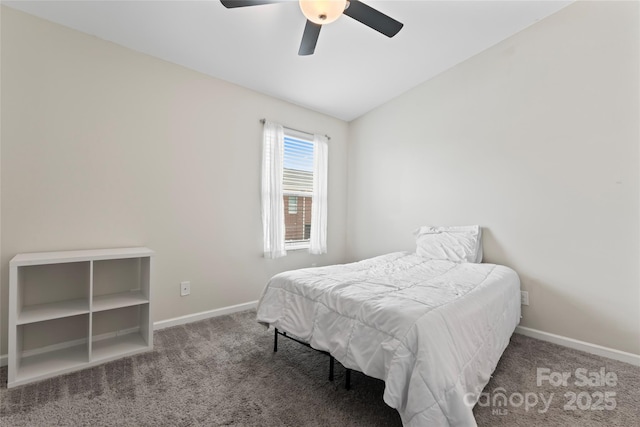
331	364
332	360
347	380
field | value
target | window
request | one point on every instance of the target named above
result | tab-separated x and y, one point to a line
297	189
293	204
294	191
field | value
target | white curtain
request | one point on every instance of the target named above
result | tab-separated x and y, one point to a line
318	243
272	196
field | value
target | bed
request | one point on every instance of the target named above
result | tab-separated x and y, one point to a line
432	329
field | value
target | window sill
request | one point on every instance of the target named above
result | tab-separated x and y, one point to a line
296	246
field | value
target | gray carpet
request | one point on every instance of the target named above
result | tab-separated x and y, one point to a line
222	372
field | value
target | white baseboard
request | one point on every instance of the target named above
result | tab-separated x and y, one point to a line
623	356
204	315
161	324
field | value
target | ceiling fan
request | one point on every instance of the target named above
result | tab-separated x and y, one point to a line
321	12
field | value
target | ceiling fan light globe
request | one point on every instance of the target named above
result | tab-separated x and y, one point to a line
322	11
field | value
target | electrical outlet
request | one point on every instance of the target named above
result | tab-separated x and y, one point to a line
185	288
524	297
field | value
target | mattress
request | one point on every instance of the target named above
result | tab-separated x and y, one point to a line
433	331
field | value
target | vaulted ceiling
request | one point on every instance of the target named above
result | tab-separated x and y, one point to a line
354	68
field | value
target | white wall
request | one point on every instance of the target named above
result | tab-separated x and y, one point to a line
106	147
537	140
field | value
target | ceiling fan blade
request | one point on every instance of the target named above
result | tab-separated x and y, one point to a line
230	4
309	38
373	18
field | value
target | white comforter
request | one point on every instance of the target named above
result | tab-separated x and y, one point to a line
432	330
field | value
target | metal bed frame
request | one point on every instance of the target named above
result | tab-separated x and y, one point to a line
347	377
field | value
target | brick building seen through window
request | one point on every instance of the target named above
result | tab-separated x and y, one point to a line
297	218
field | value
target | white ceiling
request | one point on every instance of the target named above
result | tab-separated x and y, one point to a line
354	68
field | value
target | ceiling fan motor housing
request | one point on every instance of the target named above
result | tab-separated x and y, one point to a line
322	11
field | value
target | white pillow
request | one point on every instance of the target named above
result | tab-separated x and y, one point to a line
457	244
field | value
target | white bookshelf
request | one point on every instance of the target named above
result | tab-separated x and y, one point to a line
71	310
